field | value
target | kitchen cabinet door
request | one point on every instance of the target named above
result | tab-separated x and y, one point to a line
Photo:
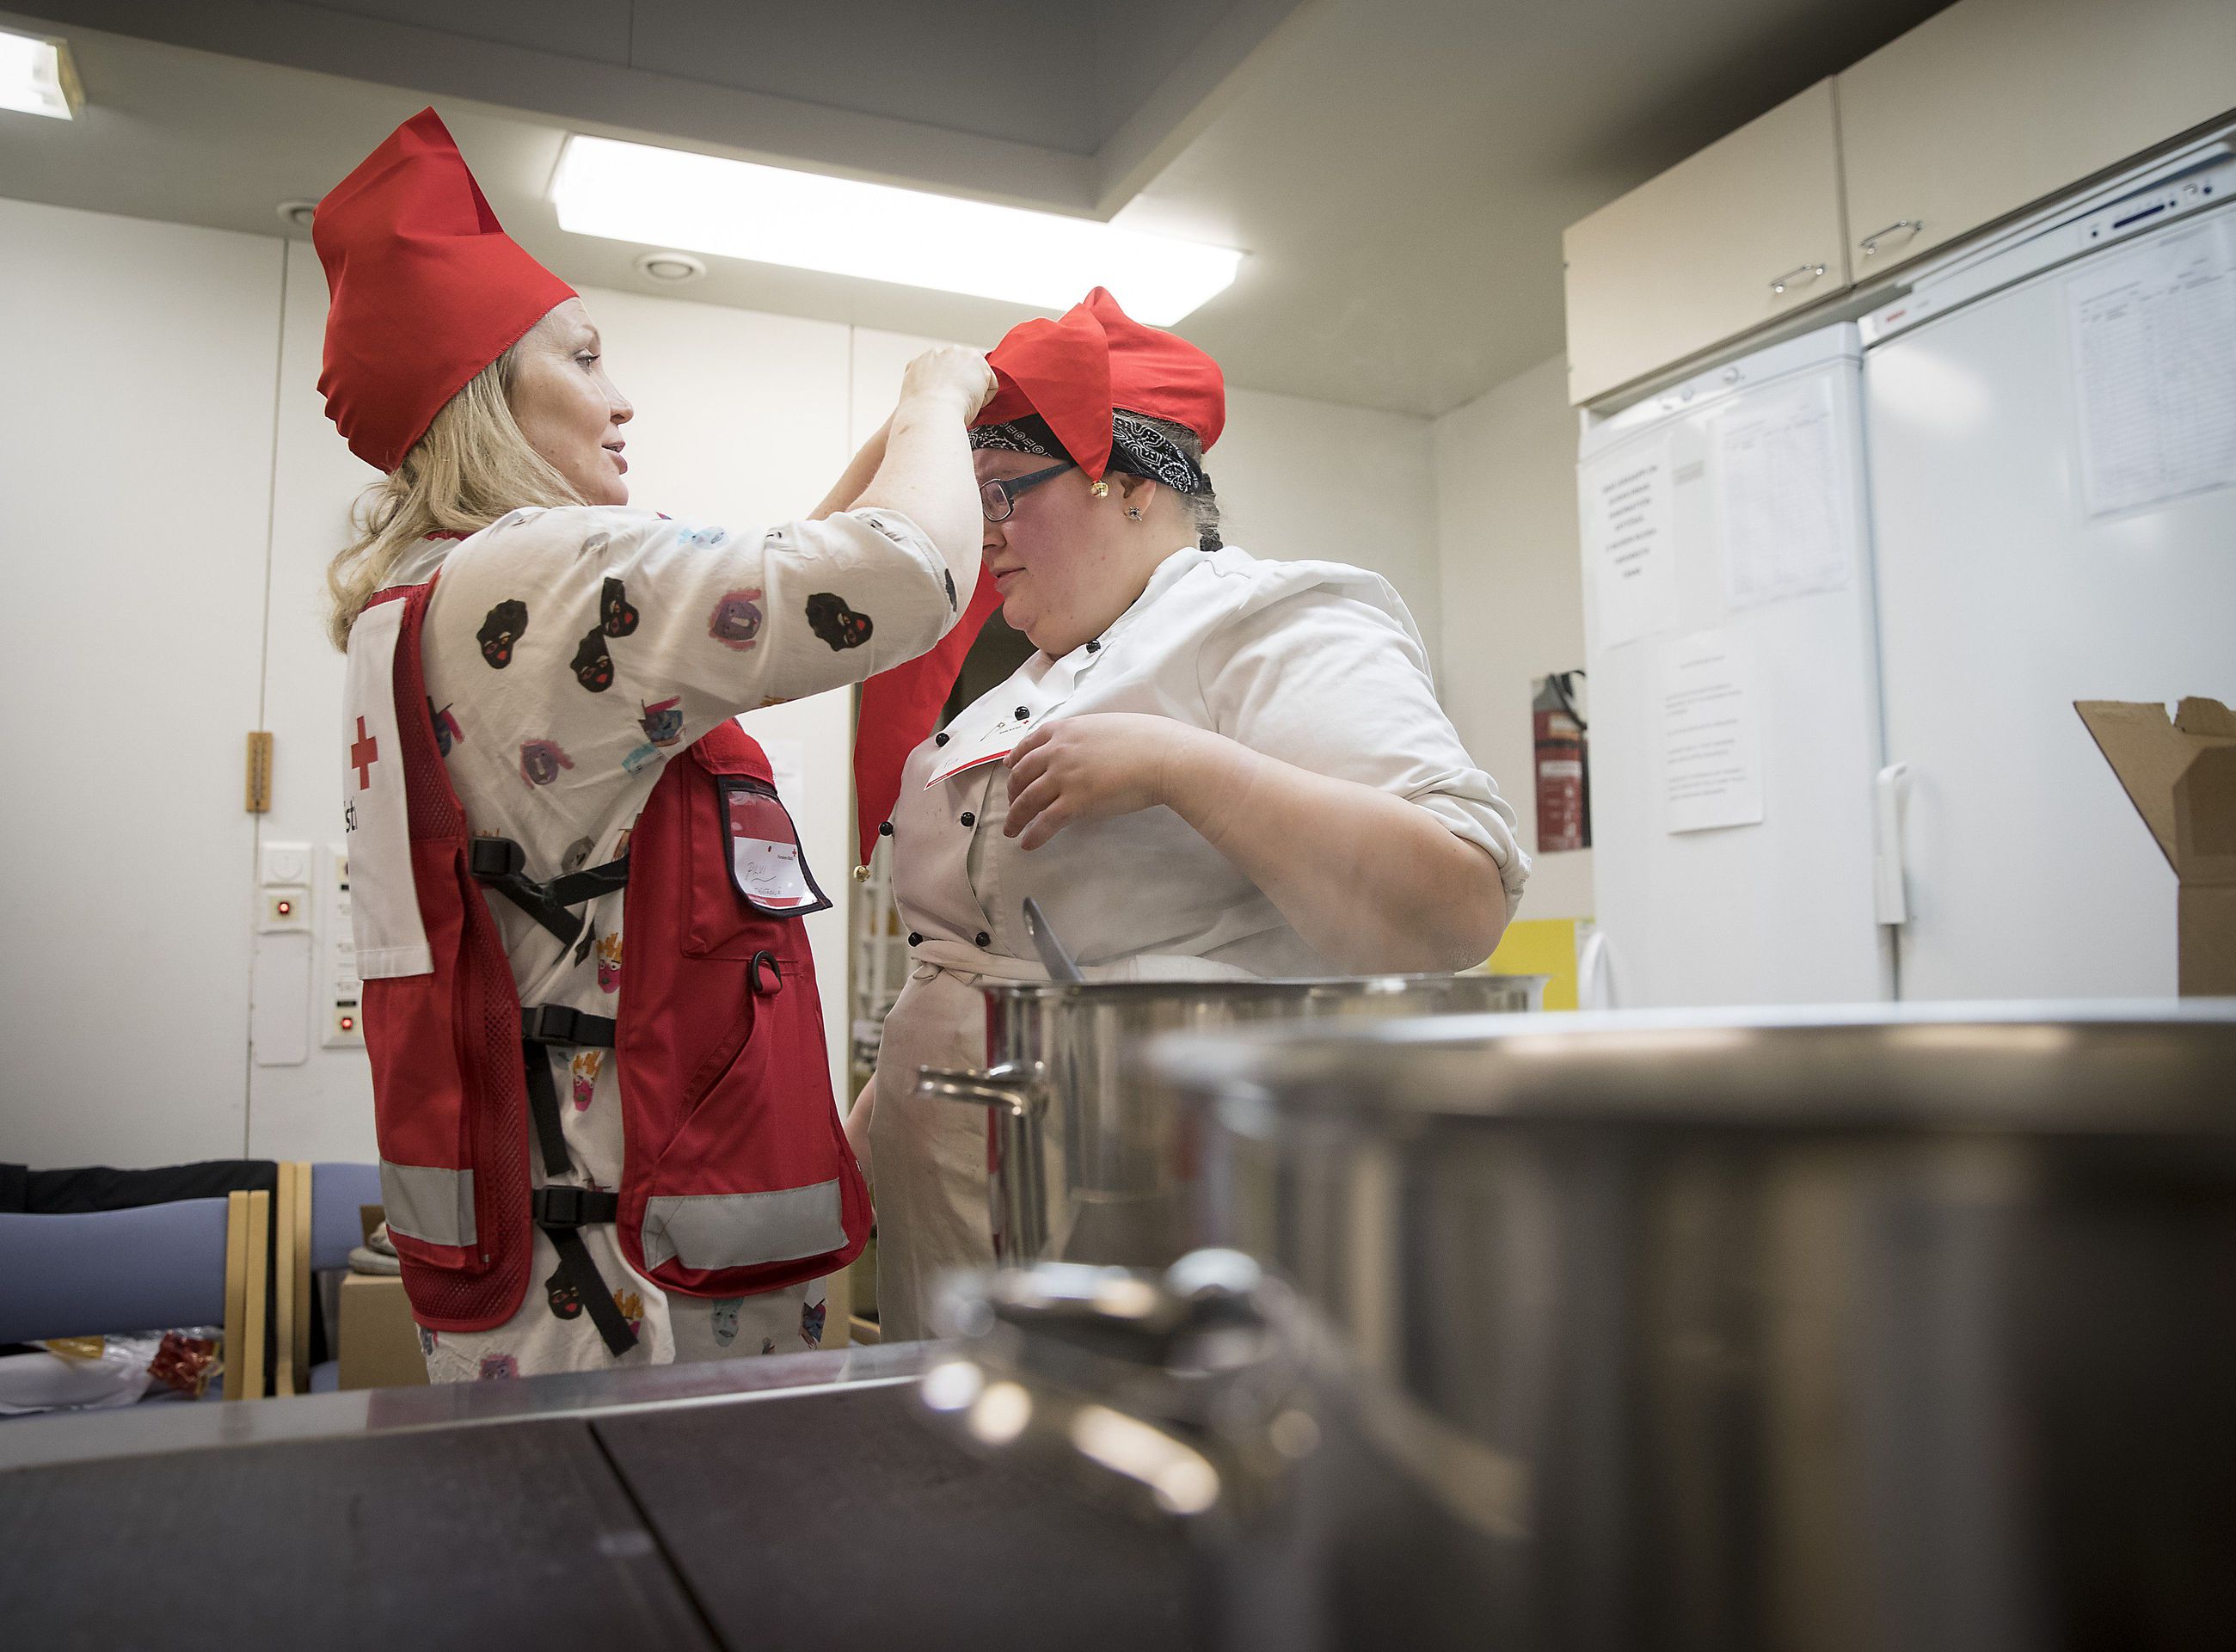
1992	105
1737	236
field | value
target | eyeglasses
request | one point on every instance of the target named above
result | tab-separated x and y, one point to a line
999	496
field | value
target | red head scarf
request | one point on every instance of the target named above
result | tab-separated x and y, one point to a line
1073	374
425	289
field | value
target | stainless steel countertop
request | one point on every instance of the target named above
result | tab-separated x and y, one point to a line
138	1431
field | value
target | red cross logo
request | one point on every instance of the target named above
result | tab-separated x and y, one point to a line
363	755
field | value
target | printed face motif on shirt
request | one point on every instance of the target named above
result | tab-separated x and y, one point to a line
615	617
830	618
593	666
632	1307
577	855
662	720
503	626
541	761
585	1070
726	1319
737	619
447	732
495	1365
426	1342
609	963
811	1323
560	1295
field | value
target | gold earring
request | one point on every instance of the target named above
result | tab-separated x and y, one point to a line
1100	489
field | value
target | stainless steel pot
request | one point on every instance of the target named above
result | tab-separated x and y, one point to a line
1087	1157
1901	1328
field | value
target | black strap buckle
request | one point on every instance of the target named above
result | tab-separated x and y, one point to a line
493	858
564	1207
560	1023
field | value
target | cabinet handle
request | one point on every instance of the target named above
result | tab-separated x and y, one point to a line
1799	276
1870	242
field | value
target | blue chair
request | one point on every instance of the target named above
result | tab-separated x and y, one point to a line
195	1261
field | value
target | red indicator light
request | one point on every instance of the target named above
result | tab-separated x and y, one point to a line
285	907
349	1024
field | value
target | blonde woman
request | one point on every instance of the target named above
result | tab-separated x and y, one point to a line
648	1166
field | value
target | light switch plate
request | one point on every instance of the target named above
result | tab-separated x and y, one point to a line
287	863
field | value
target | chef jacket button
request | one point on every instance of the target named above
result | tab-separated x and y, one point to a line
939	740
915	939
1095	646
885	830
984	939
969	818
1025	714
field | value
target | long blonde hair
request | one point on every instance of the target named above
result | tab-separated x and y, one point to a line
471	467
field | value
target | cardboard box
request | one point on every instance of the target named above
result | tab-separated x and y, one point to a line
379	1342
2180	775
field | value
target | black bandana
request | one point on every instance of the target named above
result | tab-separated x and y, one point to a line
1137	447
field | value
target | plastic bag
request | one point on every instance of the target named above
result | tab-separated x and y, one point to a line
92	1373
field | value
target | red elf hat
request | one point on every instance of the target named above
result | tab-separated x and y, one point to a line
424	289
1073	372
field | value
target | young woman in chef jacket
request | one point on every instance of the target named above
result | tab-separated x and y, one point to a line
574	644
1214	766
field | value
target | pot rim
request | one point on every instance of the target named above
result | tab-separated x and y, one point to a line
2132	1068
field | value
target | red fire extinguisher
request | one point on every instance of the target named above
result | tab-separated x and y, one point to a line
1564	816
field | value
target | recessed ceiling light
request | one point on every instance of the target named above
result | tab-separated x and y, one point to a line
297	215
37	77
636	192
670	266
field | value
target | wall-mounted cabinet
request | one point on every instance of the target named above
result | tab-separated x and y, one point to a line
1992	105
1739	234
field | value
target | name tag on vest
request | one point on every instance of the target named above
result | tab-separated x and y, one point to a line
765	861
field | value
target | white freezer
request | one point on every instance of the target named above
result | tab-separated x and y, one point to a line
1766	536
2004	596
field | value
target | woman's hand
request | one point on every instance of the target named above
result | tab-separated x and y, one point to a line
1092	768
950	370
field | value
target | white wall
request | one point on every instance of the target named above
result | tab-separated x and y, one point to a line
135	454
1512	592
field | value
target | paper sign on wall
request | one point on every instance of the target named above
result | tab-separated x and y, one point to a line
1710	734
1779	495
1628	542
2154	350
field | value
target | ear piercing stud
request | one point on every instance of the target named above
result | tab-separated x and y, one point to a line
1135	514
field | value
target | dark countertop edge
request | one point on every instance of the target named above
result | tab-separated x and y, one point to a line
143	1431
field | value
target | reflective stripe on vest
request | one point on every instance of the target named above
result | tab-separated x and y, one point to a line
714	1230
426	1202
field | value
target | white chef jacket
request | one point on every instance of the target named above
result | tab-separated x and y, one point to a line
1317	664
696	624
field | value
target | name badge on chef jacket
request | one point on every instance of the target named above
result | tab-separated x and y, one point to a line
765	861
964	754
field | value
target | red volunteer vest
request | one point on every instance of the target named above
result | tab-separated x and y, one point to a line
736	1177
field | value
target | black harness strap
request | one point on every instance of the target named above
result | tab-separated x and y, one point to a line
501	864
561	1211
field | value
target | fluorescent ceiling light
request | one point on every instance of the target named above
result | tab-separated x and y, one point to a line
36	76
634	192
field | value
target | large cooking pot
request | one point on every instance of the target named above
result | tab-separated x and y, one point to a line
1904	1327
1087	1156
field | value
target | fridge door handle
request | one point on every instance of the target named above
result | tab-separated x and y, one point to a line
1595	982
1888	793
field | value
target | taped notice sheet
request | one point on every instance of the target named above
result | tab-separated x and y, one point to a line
1780	496
1628	540
1711	734
2154	356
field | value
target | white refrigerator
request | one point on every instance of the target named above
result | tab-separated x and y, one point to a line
1840	595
